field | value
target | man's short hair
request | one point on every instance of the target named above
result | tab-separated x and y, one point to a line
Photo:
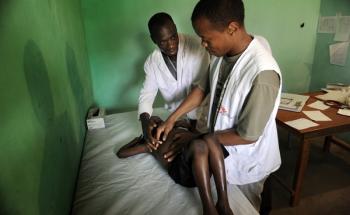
157	21
219	12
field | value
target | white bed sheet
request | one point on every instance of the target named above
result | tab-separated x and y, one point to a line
136	185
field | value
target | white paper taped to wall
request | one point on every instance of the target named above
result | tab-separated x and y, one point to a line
338	53
342	31
327	24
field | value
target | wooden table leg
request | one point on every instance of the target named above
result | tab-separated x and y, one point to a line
340	143
300	170
327	143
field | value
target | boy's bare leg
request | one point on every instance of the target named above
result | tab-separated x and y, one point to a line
134	147
199	153
217	167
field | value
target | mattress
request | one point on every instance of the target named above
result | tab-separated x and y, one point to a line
136	185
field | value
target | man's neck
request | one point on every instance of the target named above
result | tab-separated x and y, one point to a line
172	57
240	45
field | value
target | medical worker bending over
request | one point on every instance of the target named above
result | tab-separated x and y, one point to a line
245	87
173	68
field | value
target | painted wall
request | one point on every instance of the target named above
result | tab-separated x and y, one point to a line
118	41
281	21
45	90
323	72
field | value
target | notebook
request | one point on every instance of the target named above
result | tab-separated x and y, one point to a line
292	102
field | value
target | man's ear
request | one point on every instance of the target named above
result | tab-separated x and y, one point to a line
232	27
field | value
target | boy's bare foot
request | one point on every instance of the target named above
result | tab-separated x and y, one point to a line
224	209
210	211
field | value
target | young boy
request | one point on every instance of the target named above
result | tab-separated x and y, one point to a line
186	168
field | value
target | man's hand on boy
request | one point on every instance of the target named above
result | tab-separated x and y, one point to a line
178	143
149	125
153	123
164	129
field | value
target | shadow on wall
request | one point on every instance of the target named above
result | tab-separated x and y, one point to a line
138	73
3	4
77	88
5	206
57	171
134	85
50	4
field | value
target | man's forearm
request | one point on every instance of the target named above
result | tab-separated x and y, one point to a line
193	100
230	137
144	118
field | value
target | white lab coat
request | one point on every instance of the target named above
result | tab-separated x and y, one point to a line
192	64
252	162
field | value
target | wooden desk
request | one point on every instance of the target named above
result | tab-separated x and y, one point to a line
326	129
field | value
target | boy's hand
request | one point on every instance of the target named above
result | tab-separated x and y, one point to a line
151	147
178	143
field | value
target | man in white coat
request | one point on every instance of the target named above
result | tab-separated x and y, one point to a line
173	68
245	87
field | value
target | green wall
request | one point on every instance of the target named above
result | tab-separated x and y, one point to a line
293	46
323	72
45	91
118	44
118	41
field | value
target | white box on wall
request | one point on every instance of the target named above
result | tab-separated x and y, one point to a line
95	118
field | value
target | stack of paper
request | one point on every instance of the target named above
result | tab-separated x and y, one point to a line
292	102
336	95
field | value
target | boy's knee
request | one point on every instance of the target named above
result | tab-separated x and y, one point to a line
211	141
198	147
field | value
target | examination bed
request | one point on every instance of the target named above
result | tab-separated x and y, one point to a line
136	185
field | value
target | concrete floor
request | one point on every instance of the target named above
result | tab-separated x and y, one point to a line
326	187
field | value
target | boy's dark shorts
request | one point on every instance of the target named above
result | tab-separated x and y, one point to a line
180	169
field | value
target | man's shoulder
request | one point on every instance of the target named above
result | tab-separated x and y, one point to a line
189	40
191	47
153	57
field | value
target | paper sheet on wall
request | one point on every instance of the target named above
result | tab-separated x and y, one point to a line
317	115
301	123
327	24
338	53
342	31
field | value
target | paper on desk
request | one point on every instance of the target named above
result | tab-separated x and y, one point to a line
335	95
318	105
301	123
317	115
345	112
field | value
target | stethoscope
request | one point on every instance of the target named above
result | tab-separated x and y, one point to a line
336	104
